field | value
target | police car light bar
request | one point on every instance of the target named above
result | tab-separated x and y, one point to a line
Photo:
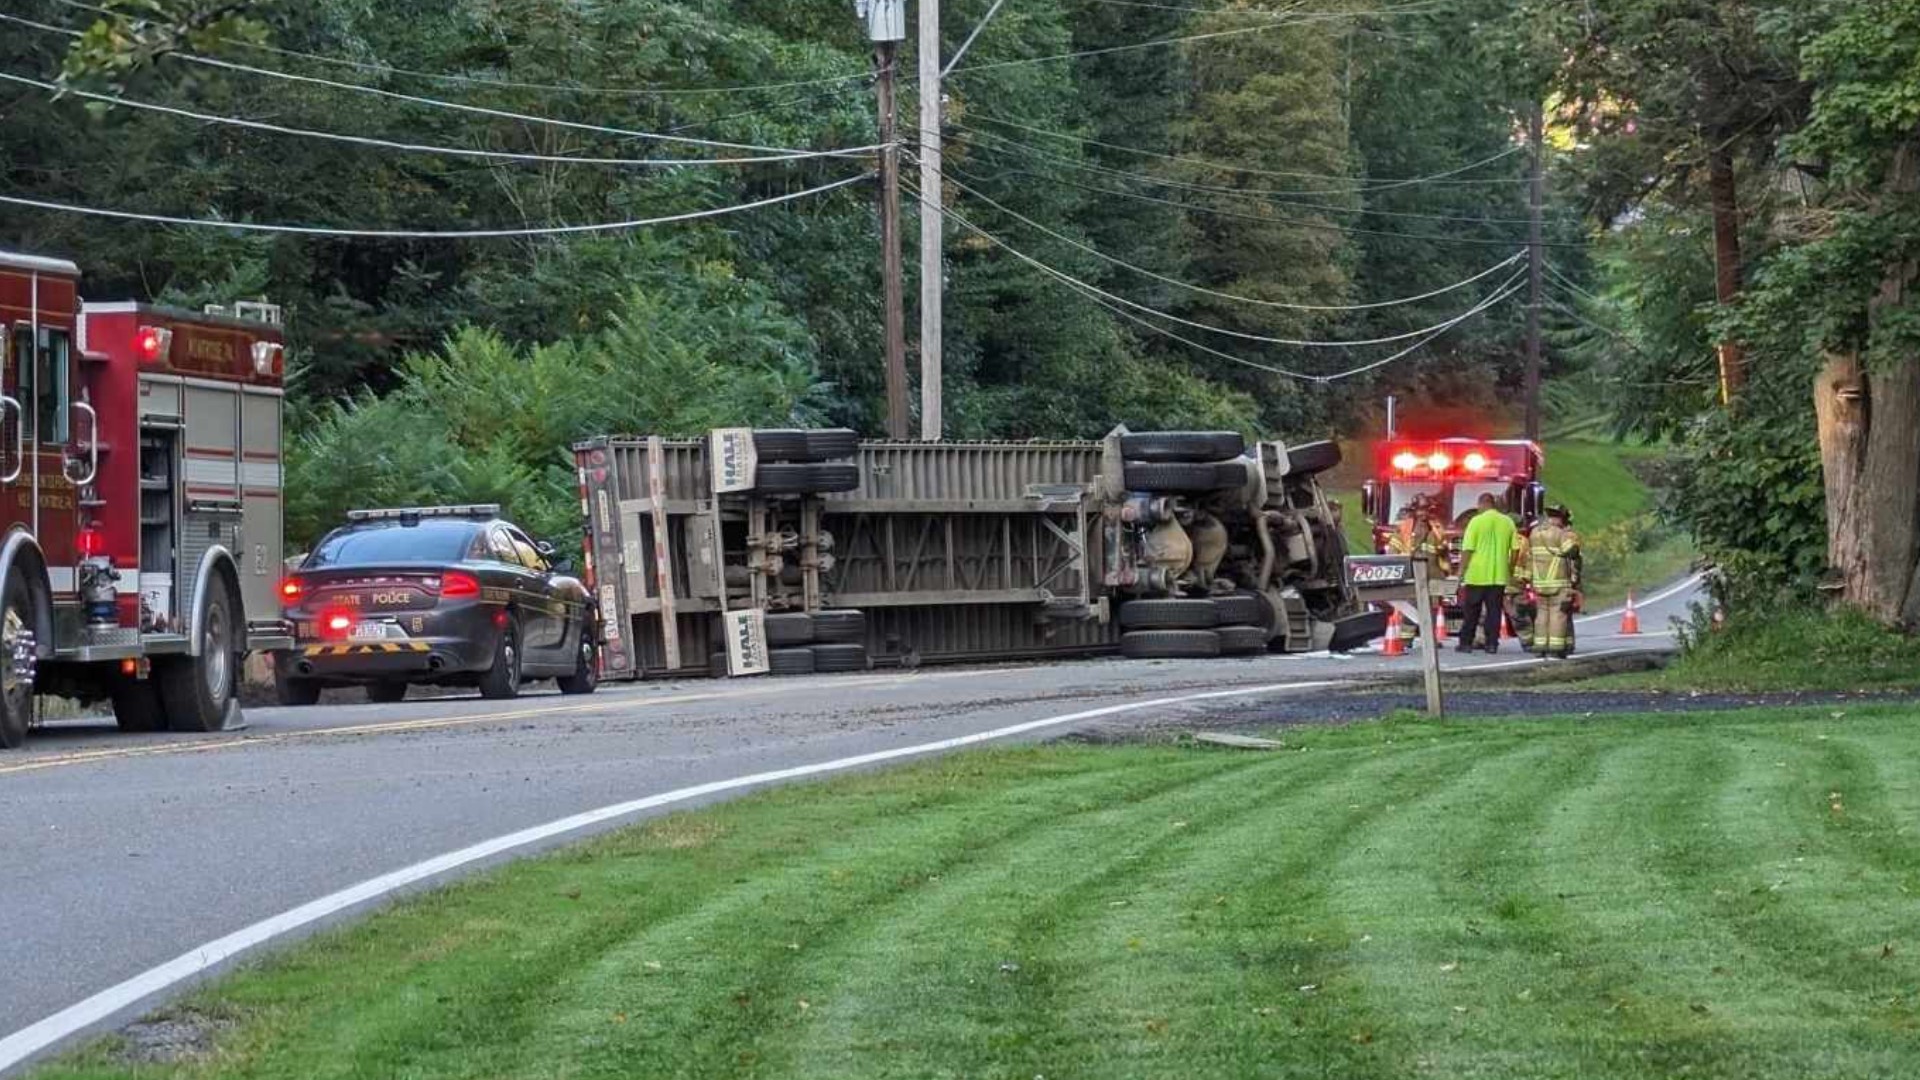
473	510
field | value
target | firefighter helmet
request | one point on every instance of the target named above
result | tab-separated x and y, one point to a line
1560	511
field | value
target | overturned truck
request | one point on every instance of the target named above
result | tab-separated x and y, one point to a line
800	551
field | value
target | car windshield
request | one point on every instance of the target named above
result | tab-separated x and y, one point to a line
391	542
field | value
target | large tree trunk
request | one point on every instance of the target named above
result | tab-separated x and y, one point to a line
1724	193
1869	425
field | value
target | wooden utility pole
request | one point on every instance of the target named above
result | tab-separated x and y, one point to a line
899	420
1536	196
932	272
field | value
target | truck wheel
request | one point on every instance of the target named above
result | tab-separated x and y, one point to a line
1182	446
790	661
1242	640
840	658
717	665
1311	458
198	691
136	705
1169	615
789	628
386	693
1170	644
832	477
780	444
1244	609
1229	475
832	444
1181	476
847	626
294	691
784	479
586	672
18	658
502	681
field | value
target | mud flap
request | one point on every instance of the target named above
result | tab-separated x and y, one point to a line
1356	630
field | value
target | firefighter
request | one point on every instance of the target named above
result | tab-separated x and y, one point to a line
1555	557
1522	608
1411	536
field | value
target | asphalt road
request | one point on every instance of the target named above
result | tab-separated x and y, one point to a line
121	852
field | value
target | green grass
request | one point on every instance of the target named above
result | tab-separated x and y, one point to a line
1596	480
1795	649
1709	896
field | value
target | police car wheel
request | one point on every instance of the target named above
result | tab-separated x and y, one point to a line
1170	644
136	706
386	693
1169	615
501	681
586	672
1182	446
296	692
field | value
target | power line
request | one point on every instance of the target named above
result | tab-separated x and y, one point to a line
1091	250
454	151
425	234
505	84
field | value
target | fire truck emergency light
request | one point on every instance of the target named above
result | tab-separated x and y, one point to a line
153	343
1406	461
1439	462
266	357
1475	461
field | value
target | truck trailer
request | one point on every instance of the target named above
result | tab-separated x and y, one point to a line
745	551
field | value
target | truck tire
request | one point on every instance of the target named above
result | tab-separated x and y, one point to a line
136	705
1242	640
790	661
833	476
1244	609
832	444
1165	447
840	658
17	662
789	628
294	691
1170	644
794	479
796	445
386	693
1229	475
1169	615
198	692
1179	477
1313	457
717	665
845	626
501	681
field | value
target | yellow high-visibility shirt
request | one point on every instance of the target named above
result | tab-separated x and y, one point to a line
1489	539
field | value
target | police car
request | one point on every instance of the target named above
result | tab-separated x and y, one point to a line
447	596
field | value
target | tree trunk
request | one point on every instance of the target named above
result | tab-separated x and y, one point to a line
1724	193
1868	417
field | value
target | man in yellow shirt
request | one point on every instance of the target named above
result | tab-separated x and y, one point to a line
1486	553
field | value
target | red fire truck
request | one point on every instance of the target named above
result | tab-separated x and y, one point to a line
140	462
1454	472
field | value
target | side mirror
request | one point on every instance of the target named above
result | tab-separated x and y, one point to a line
1370	500
545	549
564	567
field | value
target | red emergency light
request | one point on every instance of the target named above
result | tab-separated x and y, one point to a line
1452	459
153	343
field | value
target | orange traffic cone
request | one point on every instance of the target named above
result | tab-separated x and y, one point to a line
1629	619
1395	646
1439	625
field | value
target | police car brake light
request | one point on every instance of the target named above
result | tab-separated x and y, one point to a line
291	589
457	584
339	624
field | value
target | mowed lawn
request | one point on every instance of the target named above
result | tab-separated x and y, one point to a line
1733	895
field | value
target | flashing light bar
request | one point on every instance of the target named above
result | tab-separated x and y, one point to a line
1439	462
472	510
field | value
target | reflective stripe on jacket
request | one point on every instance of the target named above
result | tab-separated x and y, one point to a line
1551	550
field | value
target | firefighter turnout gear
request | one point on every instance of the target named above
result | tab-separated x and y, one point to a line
1522	608
1554	553
1413	534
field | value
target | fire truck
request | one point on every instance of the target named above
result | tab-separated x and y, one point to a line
140	500
789	552
1453	472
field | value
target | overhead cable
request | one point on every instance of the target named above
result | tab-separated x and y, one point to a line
1202	289
428	234
426	148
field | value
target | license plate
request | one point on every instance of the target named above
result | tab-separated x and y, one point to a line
373	632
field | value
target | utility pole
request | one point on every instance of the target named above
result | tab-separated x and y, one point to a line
886	23
1536	193
932	266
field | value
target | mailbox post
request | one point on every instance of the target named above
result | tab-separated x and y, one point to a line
1387	578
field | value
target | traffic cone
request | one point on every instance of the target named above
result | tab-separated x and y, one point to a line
1439	625
1395	646
1629	619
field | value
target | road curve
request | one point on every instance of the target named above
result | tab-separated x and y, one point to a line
124	852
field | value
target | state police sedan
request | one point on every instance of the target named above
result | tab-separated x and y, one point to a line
446	596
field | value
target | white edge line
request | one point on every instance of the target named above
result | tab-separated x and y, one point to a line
34	1038
1664	594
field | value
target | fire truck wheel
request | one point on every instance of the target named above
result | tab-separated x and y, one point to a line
17	661
1169	615
789	628
790	661
198	691
1310	458
502	681
295	692
840	658
1182	476
136	706
1244	609
847	626
1178	446
1170	644
1242	640
386	693
586	672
